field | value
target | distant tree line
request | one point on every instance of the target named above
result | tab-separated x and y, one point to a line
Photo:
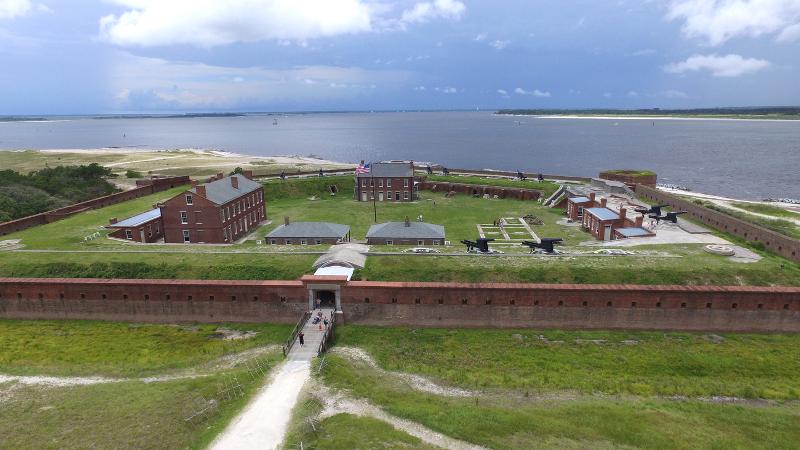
42	190
743	111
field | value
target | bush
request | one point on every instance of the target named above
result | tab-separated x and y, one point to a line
133	174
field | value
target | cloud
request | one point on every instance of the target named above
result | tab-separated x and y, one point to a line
446	90
643	52
499	44
535	92
480	37
633	94
719	66
503	92
209	23
671	93
717	21
10	9
419	88
141	83
438	9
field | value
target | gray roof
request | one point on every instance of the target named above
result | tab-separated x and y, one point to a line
221	191
602	213
633	232
138	219
345	257
579	199
399	230
389	170
310	230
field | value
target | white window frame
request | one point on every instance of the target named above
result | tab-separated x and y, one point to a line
405	195
380	182
420	242
187	238
303	242
388	182
184	217
389	242
435	242
405	182
189	199
289	242
129	235
363	182
272	241
319	241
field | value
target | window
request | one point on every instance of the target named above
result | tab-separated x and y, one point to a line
303	242
371	182
247	203
397	195
189	199
157	229
186	237
227	212
380	182
184	217
388	182
319	241
272	241
363	182
150	230
288	242
235	228
128	234
389	242
224	234
222	215
435	242
405	195
405	182
420	242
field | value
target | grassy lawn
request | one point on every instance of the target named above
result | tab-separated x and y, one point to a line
548	187
618	362
514	421
72	347
127	415
767	209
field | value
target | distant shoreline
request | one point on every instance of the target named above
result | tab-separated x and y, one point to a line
629	117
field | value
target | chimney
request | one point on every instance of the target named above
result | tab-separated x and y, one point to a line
248	174
112	221
622	212
200	189
591	196
603	202
639	221
194	183
220	175
408	222
286	220
235	181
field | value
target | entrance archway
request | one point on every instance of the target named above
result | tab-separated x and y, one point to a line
327	299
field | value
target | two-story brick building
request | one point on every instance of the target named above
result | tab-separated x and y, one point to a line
387	181
219	211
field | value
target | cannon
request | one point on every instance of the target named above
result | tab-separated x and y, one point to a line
546	245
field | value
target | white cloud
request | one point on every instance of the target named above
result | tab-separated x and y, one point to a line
419	88
672	93
10	9
719	66
208	23
446	90
480	37
503	92
535	92
499	44
717	21
633	94
150	83
438	9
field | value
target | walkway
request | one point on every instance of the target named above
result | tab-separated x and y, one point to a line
262	424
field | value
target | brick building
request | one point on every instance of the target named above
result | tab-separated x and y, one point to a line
219	211
602	222
308	233
576	205
387	181
405	233
145	227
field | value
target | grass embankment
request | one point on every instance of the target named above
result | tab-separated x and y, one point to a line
610	362
781	226
583	389
343	431
767	209
83	347
548	187
128	414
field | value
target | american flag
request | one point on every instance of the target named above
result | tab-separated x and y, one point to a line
362	168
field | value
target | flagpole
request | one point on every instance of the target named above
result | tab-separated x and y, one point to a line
372	182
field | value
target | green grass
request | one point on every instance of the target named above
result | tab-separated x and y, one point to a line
781	226
548	187
657	363
633	173
127	415
768	210
512	421
70	347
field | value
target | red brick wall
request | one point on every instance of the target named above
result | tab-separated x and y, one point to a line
152	231
397	185
776	242
156	185
480	190
762	309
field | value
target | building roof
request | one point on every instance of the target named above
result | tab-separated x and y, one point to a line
579	199
137	220
602	213
399	230
336	271
310	230
389	170
221	191
341	255
633	232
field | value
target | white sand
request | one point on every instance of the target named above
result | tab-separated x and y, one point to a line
653	118
262	425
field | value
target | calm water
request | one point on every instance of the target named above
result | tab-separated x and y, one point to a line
746	159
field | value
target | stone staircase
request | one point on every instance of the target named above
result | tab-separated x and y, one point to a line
313	336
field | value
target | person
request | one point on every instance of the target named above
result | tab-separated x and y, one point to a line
301	336
325	321
319	303
320	173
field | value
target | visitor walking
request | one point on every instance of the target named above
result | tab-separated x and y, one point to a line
301	336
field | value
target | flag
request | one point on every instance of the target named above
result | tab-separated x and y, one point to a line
362	168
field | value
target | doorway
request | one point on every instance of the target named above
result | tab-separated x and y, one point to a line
327	299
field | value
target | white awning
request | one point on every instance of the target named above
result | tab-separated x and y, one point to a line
335	270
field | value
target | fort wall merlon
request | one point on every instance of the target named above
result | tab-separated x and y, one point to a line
708	308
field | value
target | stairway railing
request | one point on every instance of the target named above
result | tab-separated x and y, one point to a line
287	346
325	342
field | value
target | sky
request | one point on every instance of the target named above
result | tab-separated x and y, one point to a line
163	56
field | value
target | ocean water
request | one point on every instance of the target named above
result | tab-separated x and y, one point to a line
743	159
